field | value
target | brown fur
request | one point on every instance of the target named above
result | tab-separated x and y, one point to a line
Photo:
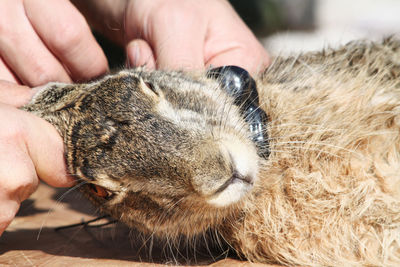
161	173
330	191
328	194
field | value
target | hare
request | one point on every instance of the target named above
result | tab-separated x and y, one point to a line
172	153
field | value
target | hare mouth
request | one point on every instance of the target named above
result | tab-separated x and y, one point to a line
235	178
234	189
242	176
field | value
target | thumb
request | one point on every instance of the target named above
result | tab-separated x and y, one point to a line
14	94
177	38
139	53
179	50
46	149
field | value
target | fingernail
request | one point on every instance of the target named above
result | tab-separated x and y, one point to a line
133	55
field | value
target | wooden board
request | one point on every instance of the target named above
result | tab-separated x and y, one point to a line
31	239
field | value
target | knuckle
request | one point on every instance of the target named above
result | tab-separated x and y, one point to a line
43	75
70	33
46	72
40	73
20	188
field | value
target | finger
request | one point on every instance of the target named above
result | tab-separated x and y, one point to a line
139	53
22	49
66	33
254	61
18	179
178	49
8	210
231	42
6	74
43	144
17	171
15	95
48	159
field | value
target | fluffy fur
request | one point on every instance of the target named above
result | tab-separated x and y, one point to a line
328	194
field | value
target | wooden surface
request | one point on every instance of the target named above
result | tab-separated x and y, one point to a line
31	239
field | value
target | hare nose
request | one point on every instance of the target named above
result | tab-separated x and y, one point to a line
245	178
236	177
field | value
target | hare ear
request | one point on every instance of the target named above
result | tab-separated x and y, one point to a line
149	90
238	83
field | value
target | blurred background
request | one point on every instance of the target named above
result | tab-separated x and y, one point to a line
286	26
290	26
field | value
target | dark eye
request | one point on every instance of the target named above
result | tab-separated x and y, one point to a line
151	87
238	83
101	191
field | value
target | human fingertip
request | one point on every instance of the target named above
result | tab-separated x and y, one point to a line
61	179
265	60
139	53
66	181
96	68
69	181
58	176
260	65
254	65
133	54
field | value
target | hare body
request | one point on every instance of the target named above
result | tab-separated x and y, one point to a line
330	192
175	156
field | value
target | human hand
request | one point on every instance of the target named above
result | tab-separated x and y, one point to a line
42	41
30	148
190	34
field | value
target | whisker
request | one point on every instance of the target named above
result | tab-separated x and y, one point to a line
87	223
58	203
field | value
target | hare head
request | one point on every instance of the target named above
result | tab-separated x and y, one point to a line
164	152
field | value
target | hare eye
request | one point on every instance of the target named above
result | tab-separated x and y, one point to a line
151	87
101	191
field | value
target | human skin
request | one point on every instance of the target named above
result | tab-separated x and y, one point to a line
30	149
176	34
40	41
43	41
